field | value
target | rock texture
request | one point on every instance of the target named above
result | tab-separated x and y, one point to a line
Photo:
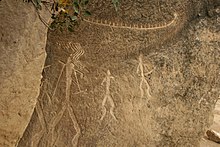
206	142
143	78
22	55
213	135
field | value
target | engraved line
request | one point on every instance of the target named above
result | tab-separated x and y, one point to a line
76	126
134	27
36	138
54	121
69	71
107	96
70	68
140	70
49	99
55	89
79	51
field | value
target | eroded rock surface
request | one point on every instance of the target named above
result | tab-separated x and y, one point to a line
213	136
115	85
22	55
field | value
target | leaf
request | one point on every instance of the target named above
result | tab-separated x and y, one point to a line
56	7
39	7
74	18
38	2
87	13
52	7
53	16
86	2
76	7
61	29
76	14
116	4
53	25
70	28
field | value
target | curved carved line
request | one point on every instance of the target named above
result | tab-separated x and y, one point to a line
79	51
135	27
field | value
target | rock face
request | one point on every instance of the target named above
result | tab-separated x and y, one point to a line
22	55
213	135
144	78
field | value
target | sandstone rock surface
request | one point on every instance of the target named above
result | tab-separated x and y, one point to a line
206	142
213	136
22	55
152	81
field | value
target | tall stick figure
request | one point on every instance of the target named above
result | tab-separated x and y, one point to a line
71	64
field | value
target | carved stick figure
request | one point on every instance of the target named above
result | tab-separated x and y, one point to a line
140	70
107	96
70	65
73	60
66	106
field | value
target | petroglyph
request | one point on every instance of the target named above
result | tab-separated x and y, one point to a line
55	89
38	136
72	63
140	70
76	50
74	60
45	67
107	96
76	126
49	98
66	106
52	124
135	26
202	100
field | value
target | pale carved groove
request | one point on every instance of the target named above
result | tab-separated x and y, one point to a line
55	89
76	65
38	136
133	27
140	70
72	61
107	96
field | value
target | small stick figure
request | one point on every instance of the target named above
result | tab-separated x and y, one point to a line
140	70
107	96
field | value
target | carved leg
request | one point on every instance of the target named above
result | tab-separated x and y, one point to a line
76	126
37	136
112	107
141	88
103	107
54	121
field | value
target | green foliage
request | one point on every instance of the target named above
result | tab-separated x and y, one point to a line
66	14
37	3
87	13
116	4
